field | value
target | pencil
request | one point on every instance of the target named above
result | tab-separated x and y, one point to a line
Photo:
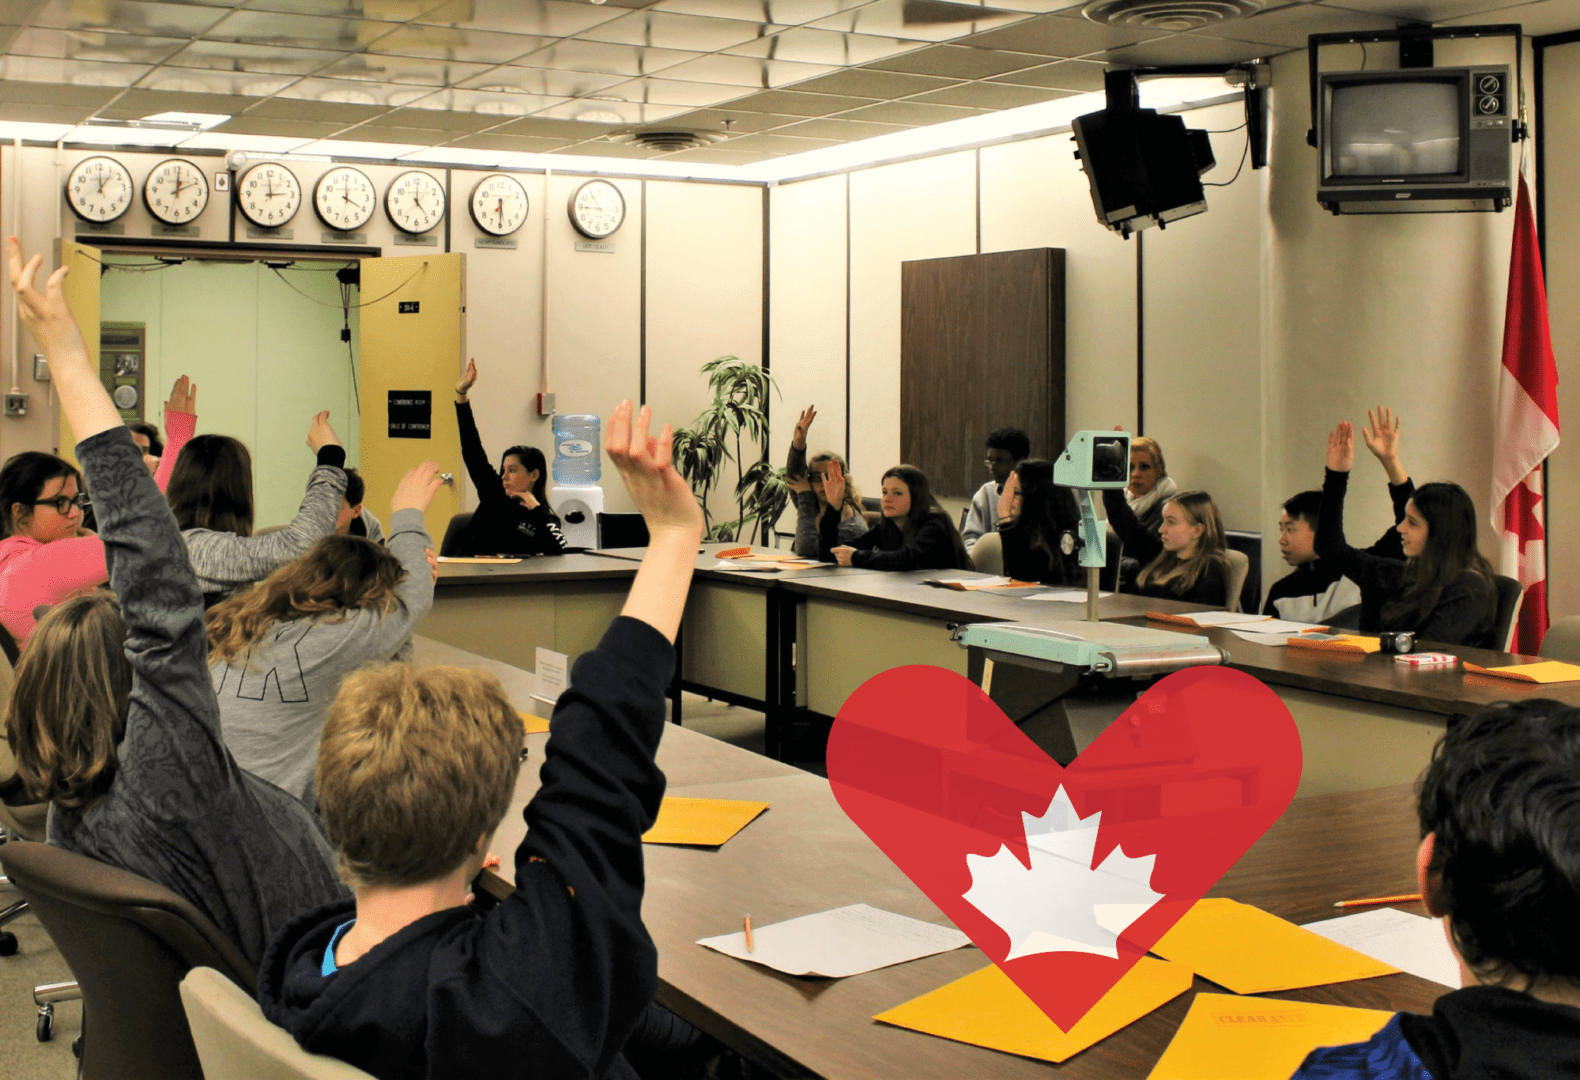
1405	899
751	946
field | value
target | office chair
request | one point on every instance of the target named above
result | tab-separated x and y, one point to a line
1249	592
453	531
1563	640
1239	567
235	1041
622	531
1511	594
129	942
987	554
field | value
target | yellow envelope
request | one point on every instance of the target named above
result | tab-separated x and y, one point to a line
703	822
1548	671
1234	1038
1251	952
1344	643
535	725
986	1009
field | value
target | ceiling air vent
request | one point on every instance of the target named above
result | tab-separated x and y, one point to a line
1175	16
668	141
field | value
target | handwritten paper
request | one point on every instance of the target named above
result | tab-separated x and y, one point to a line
840	942
1408	942
701	822
1234	1038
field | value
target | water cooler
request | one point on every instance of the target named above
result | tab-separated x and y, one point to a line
578	465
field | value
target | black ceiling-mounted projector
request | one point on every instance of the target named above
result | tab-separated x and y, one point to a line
1144	168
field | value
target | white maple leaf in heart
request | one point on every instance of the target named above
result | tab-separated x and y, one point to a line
1062	903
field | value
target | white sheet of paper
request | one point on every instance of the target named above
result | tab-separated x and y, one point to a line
1408	942
1066	596
1224	618
1263	639
1283	626
991	579
748	567
840	942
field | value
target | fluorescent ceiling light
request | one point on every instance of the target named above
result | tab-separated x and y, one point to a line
121	135
456	155
197	121
374	151
24	130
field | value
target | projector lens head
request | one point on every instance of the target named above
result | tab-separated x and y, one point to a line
1110	460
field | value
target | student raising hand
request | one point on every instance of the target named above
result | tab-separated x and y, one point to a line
802	426
49	320
834	482
467	381
320	434
1341	447
1382	439
417	489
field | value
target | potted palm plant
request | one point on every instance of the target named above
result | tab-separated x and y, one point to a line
733	426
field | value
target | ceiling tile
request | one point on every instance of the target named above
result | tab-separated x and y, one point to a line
43	112
756	72
991	95
887	19
1188	49
542	127
668	31
794	103
383	10
1038	7
521	144
344	146
778	144
714	155
864	82
39	69
453	43
1423	10
603	58
434	120
613	112
145	100
92	45
1543	17
1060	35
838	129
909	113
660	91
1078	75
960	62
300	31
783	12
17	12
245	84
1288	26
729	120
499	105
824	47
406	136
167	20
549	18
248	124
240	56
403	69
526	80
50	93
609	150
285	108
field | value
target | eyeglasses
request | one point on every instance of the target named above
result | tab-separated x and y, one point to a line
62	504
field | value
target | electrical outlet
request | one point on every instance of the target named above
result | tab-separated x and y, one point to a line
16	404
40	368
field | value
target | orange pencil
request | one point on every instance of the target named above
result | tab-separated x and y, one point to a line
1379	900
751	946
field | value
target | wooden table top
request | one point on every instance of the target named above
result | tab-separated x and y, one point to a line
536	570
708	566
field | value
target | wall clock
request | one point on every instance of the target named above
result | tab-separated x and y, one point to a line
269	194
499	204
597	209
176	191
344	198
99	189
414	202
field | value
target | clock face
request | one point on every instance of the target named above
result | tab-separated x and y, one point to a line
99	189
415	202
176	191
269	194
499	204
344	198
597	209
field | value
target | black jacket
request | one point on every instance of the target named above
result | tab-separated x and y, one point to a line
1319	575
1211	589
882	547
501	525
1465	612
1024	561
552	981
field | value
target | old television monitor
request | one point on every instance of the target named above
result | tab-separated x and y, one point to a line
1417	134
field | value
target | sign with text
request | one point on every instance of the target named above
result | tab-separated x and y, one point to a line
411	414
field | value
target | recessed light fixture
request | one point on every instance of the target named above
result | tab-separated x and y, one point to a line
193	121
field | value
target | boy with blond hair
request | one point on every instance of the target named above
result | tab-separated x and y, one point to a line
415	771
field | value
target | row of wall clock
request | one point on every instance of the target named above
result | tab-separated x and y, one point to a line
99	189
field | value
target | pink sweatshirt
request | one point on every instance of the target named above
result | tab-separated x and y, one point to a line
34	574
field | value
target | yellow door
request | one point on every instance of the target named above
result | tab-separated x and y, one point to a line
82	296
413	350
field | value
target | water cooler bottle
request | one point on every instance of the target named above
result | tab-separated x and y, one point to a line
578	465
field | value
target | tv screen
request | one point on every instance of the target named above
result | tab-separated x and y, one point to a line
1395	129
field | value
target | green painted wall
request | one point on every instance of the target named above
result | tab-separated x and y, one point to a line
265	360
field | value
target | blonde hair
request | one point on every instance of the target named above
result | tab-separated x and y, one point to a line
414	767
68	704
1211	548
336	575
1150	445
852	492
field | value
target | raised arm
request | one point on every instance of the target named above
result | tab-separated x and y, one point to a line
180	424
1141	543
484	480
1363	568
383	631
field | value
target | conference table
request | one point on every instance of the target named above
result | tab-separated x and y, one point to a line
804	855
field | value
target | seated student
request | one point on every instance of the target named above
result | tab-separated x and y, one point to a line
47	554
1500	862
1443	590
113	720
1150	483
1006	447
1034	517
914	533
805	480
279	649
1315	592
356	519
513	515
1186	559
411	980
211	497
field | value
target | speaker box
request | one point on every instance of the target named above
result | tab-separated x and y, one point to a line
1144	168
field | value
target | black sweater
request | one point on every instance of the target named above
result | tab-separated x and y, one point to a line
552	981
1212	587
501	525
882	547
1319	575
1465	610
1024	561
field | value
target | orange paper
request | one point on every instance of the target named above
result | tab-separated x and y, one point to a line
535	725
734	553
968	586
1345	643
1548	671
1234	1038
1251	951
986	1009
701	822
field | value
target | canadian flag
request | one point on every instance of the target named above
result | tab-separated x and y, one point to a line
1527	428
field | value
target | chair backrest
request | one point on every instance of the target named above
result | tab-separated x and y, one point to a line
1239	567
1250	544
128	941
965	512
1563	640
1510	595
987	554
453	531
235	1041
8	646
622	531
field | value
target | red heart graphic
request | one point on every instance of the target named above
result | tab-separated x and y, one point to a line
1189	776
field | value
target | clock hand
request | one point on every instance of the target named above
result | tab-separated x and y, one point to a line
500	210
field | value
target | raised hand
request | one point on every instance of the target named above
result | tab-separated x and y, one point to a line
798	484
433	562
321	434
834	484
1381	432
467	380
183	397
1006	498
416	489
45	314
644	462
802	426
1341	447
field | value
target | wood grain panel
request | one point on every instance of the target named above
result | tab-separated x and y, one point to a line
981	346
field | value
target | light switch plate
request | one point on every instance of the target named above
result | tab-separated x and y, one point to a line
40	368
